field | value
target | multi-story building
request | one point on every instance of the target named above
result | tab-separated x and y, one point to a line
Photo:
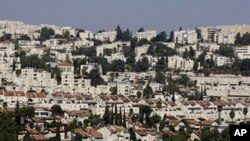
106	36
86	35
242	52
140	50
177	62
185	37
145	35
222	60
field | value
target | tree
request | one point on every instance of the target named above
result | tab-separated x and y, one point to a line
198	31
132	134
155	119
5	105
147	92
107	51
118	65
6	37
161	64
142	66
172	88
219	109
192	53
208	134
159	104
173	97
242	40
171	36
120	121
24	37
225	134
245	65
160	77
66	34
124	119
141	29
245	111
94	120
161	37
106	115
232	114
111	121
46	33
8	127
57	110
238	39
196	65
119	35
116	115
95	77
226	51
138	94
151	50
184	80
145	109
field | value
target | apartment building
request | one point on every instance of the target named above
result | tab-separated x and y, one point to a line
242	52
106	36
185	37
177	62
145	35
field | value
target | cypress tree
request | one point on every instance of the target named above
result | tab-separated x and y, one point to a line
124	119
120	117
112	116
106	115
116	115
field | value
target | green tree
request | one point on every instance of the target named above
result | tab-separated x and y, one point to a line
143	65
225	135
94	120
57	110
124	119
106	115
155	119
118	65
120	117
160	77
8	127
46	33
172	88
138	94
66	34
161	37
145	109
141	29
243	40
147	92
232	114
24	37
119	35
161	64
159	104
116	115
132	134
151	50
226	51
245	111
208	134
171	36
95	77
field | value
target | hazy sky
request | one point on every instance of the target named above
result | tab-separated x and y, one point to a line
106	14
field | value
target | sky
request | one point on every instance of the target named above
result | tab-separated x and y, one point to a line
161	15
